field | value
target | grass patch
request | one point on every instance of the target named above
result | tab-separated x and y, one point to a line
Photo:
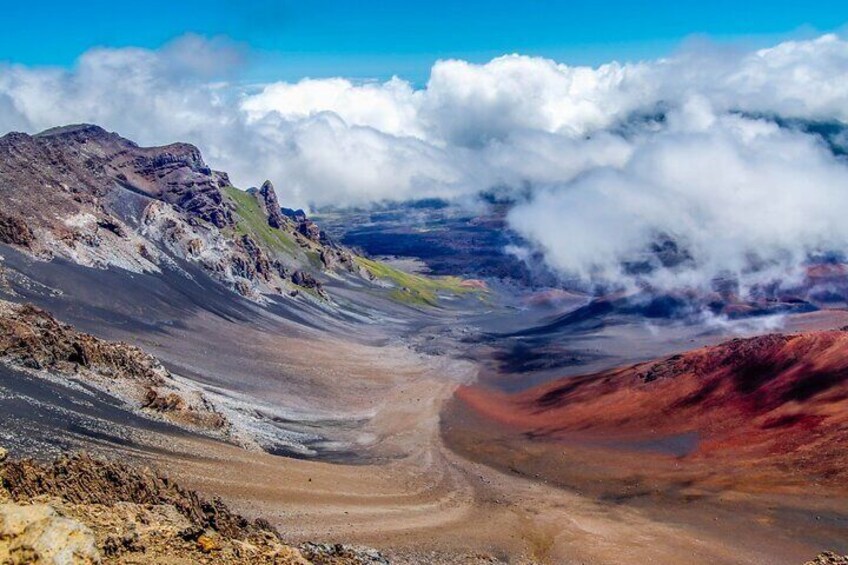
414	289
252	221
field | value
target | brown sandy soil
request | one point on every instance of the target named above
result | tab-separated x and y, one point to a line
436	506
429	487
480	496
741	443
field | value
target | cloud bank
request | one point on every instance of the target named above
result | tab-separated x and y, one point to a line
669	172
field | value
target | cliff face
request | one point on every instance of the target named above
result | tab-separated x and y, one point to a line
100	200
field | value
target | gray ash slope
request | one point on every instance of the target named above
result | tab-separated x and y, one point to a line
151	247
97	199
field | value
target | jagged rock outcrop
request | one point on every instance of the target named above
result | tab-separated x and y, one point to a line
114	513
86	162
175	173
80	479
296	215
332	553
305	280
261	264
309	229
182	179
14	230
33	339
35	533
272	205
303	225
100	200
828	558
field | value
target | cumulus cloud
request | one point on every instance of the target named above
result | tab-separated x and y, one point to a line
608	163
739	197
471	104
391	107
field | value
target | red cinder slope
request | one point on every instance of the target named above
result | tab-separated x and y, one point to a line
782	398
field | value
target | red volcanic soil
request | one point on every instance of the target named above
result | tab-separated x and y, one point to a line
776	399
553	296
475	284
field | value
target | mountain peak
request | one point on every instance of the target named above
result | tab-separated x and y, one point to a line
81	132
70	129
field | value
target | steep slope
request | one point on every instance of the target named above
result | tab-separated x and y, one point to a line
97	199
776	398
32	340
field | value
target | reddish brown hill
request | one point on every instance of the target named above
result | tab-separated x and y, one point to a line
777	398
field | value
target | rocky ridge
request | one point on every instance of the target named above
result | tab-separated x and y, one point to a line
32	339
99	200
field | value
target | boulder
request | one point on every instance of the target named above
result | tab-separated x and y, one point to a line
15	231
309	229
829	558
35	533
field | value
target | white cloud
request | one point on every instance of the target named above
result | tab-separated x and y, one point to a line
469	104
323	159
602	186
732	191
390	107
796	78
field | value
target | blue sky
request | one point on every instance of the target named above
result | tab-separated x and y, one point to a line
376	39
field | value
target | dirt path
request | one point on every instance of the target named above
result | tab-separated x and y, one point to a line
424	503
421	486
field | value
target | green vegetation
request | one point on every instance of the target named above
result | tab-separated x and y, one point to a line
314	259
252	221
414	289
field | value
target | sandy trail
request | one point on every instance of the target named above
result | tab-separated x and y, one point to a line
421	502
436	501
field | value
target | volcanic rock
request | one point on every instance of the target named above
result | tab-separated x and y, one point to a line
33	339
14	230
341	553
90	161
309	229
271	205
99	200
304	279
121	514
35	533
828	558
296	215
261	264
